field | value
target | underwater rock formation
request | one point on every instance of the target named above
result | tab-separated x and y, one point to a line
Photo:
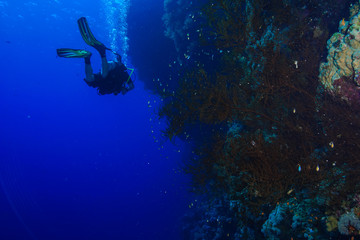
182	22
270	227
340	75
300	218
212	218
177	21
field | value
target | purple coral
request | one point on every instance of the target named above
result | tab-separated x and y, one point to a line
348	90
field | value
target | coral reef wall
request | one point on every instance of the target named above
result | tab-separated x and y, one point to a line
274	142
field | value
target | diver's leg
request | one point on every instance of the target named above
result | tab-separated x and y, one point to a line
88	70
104	67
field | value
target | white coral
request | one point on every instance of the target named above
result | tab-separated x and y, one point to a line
346	220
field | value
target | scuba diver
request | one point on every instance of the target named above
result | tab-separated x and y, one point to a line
113	78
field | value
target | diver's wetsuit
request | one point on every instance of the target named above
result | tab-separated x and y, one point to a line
113	78
115	82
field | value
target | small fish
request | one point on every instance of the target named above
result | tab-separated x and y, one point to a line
317	168
331	144
342	22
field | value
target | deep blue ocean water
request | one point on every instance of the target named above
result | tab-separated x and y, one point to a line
73	164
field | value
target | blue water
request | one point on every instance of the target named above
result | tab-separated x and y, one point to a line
73	164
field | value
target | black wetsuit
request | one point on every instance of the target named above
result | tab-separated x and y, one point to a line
114	82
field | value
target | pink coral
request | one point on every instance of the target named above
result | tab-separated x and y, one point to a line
348	90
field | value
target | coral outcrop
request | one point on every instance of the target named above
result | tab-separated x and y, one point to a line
340	75
349	224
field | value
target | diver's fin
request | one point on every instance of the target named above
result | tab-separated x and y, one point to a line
72	53
87	35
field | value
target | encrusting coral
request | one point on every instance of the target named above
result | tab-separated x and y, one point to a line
340	75
331	223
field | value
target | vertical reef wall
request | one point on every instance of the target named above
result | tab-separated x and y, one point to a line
267	93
